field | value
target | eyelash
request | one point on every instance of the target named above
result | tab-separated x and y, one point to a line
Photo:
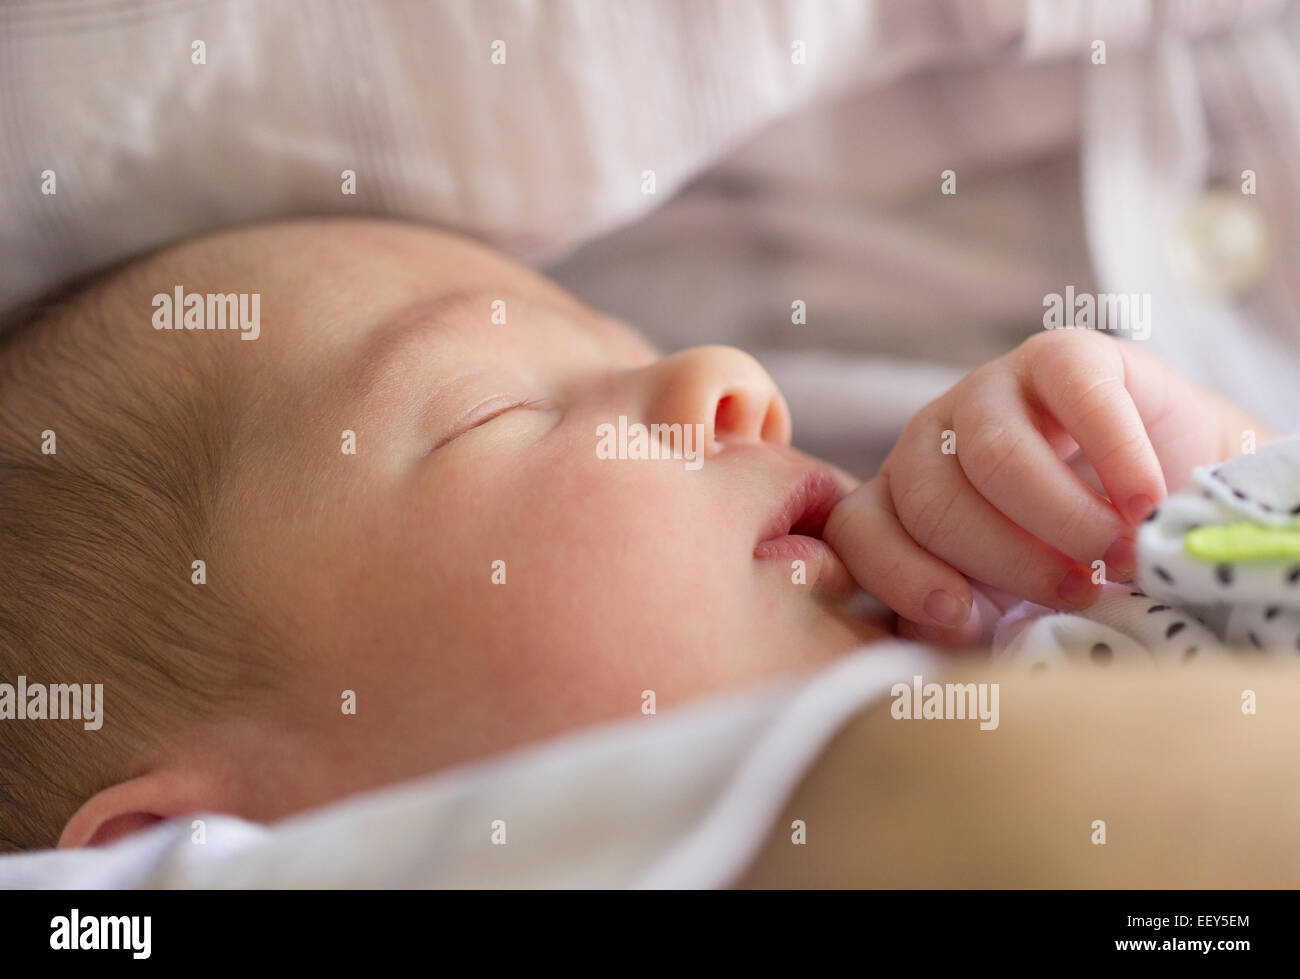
490	416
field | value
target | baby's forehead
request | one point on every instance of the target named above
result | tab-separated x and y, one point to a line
291	292
307	314
343	277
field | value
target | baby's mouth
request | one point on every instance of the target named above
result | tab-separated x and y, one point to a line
795	529
794	533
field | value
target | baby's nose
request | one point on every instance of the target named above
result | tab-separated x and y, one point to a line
725	390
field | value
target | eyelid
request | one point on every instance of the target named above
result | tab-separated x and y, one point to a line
500	405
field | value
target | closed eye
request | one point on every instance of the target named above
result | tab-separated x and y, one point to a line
483	413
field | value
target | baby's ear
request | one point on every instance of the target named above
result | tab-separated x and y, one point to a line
136	804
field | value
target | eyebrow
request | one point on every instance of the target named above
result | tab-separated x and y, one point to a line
411	327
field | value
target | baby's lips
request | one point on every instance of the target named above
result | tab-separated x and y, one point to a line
846	482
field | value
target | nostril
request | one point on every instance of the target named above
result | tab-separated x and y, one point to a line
727	416
740	414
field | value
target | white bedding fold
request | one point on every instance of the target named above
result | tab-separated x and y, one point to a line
682	799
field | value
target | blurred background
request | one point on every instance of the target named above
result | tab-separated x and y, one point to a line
918	174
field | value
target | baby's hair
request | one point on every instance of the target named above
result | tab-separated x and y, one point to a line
97	542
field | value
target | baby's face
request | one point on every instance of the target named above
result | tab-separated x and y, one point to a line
476	572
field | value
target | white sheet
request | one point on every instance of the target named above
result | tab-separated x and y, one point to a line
682	799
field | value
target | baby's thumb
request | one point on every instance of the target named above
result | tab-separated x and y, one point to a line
865	532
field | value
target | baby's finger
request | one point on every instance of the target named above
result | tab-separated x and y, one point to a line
947	516
865	532
1080	381
1010	463
978	630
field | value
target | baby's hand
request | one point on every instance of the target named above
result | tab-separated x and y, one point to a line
979	486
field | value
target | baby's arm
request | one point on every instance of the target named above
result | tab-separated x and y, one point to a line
943	804
979	486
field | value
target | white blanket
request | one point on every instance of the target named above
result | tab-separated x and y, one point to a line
682	799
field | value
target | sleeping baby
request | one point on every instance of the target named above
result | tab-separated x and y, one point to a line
382	538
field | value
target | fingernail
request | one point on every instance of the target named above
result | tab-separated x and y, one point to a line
1077	588
919	632
1139	507
946	608
1121	557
